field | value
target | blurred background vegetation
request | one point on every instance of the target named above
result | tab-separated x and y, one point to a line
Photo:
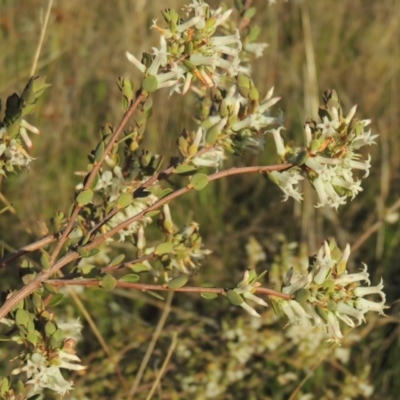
351	46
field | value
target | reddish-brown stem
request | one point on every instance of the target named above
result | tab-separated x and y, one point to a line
180	192
72	255
96	167
28	249
146	286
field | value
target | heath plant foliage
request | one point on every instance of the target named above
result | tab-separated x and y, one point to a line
205	53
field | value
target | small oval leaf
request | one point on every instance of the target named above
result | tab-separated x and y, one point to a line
209	296
153	213
50	288
108	282
22	317
199	181
185	169
50	328
56	299
163	248
155	294
177	282
124	200
150	84
164	193
234	297
139	268
45	261
117	260
131	278
84	197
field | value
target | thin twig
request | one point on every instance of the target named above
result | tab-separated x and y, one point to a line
147	286
164	366
152	344
28	249
96	167
180	192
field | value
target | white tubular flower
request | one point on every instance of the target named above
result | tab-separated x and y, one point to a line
295	313
347	279
288	181
343	308
334	328
141	67
367	305
364	291
330	294
280	147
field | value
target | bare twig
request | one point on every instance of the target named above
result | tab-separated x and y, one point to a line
146	286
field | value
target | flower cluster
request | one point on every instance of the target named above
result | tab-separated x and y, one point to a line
239	125
329	294
189	50
52	351
330	157
14	129
245	290
182	251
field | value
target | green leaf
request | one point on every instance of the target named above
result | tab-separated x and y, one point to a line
98	153
4	338
199	181
124	200
45	261
117	260
302	295
155	294
139	268
164	193
87	253
108	282
150	84
163	248
177	282
250	13
185	169
4	385
152	213
87	268
84	197
209	296
50	328
234	297
131	278
22	317
56	300
50	288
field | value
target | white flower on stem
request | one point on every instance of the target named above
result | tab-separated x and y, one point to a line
368	305
333	327
327	195
347	279
287	181
343	308
295	313
330	294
